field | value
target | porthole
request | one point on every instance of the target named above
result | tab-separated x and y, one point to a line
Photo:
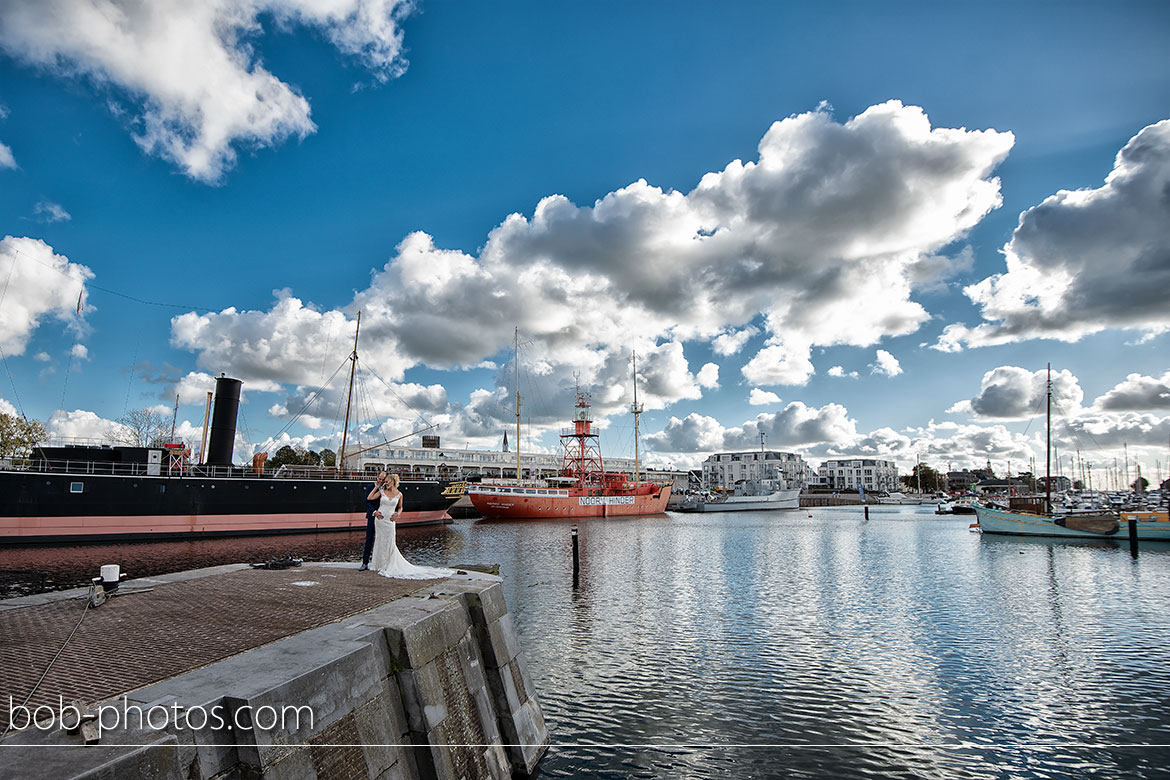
76	487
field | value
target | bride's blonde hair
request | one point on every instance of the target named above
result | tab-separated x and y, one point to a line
393	480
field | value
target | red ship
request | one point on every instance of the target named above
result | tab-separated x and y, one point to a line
585	488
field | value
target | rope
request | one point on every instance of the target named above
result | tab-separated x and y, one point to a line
45	673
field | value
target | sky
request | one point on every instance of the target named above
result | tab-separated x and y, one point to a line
863	230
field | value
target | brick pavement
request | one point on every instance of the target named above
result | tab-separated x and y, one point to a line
136	639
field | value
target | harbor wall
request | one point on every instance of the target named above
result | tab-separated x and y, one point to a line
431	686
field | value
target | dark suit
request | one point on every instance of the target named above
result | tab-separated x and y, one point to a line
371	507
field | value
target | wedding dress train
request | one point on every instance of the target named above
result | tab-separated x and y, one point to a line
386	558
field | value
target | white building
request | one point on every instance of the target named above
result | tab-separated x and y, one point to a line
870	473
724	469
437	461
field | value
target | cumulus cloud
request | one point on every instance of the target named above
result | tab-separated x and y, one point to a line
839	371
47	211
1136	393
886	364
708	376
40	284
290	344
1095	431
7	160
759	397
79	351
1084	260
732	341
82	424
795	425
188	70
7	408
1011	392
789	235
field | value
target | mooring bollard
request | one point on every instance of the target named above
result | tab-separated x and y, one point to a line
1133	539
867	513
576	557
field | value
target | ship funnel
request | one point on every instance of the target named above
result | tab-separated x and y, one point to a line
223	421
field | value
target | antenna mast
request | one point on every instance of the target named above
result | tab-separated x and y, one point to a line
635	409
1048	446
349	395
516	368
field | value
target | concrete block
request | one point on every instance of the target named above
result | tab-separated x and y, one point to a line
423	697
153	759
497	641
418	637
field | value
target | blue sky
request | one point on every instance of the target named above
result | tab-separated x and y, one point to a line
273	165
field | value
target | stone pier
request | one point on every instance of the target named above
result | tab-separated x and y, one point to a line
314	672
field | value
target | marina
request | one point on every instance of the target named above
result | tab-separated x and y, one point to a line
904	644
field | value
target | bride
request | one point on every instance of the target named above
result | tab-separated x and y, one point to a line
386	559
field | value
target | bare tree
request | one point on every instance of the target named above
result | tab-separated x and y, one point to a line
145	428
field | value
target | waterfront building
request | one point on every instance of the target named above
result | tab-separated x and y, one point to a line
724	469
434	460
869	473
961	481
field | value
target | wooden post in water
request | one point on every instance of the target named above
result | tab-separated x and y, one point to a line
1133	537
867	512
576	557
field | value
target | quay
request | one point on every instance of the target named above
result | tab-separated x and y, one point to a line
176	676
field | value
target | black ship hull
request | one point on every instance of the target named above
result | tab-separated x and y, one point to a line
39	506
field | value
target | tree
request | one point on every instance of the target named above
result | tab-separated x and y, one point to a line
931	480
285	456
328	457
145	428
1140	485
18	436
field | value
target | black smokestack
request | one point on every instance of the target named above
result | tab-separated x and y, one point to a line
223	421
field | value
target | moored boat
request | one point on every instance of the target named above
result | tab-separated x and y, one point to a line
585	488
749	495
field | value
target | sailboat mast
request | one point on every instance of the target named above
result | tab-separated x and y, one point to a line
636	409
516	368
1048	445
349	394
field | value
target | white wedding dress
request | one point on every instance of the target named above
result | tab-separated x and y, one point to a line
386	558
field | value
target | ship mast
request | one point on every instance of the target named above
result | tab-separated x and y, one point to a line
636	409
349	395
1048	446
516	369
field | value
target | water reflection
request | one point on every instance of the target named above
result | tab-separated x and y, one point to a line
735	645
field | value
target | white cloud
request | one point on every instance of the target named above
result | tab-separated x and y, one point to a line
290	344
708	376
39	284
188	70
42	357
1011	392
7	408
760	397
790	236
886	364
6	158
795	425
1136	393
732	341
82	424
47	211
1084	260
839	371
79	351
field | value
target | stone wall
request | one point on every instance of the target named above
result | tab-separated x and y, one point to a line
431	686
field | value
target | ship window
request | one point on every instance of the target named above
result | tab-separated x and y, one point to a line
162	488
76	487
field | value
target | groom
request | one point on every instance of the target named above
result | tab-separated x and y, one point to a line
371	507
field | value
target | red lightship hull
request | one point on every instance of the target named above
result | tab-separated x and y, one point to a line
516	503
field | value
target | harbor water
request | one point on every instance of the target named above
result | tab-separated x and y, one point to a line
803	643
